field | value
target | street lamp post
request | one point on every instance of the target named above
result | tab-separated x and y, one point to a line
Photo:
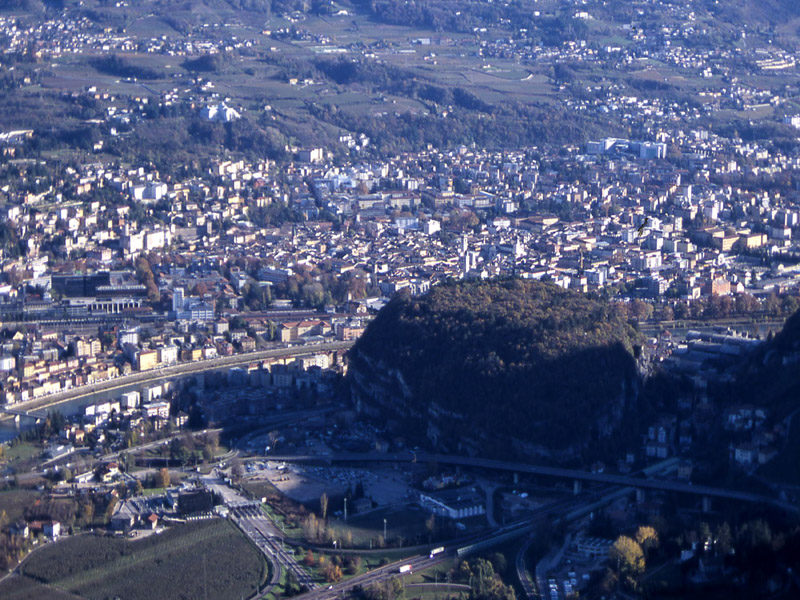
384	531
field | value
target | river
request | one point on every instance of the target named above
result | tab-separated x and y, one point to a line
9	429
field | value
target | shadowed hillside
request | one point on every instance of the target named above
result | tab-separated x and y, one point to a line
772	375
499	366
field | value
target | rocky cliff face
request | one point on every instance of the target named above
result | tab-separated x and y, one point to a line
770	376
502	368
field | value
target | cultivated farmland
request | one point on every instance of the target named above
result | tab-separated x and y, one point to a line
186	561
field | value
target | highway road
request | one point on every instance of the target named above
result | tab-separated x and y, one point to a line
267	425
249	517
567	508
596	499
571	505
574	474
262	543
267	537
337	590
254	523
182	369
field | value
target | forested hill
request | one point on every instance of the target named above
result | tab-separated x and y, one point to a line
493	365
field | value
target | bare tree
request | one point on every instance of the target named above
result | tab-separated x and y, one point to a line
323	506
236	469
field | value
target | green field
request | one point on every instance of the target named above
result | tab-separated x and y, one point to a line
400	523
14	502
437	574
286	525
210	558
20	456
21	451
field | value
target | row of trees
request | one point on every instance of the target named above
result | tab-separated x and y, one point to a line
757	549
318	531
144	275
627	558
189	449
12	547
333	567
52	425
720	307
114	64
91	509
504	126
466	15
159	479
484	578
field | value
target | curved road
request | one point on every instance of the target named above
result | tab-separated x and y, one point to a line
155	375
574	474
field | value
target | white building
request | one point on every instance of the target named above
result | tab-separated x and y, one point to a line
128	337
168	355
311	155
431	226
221	112
152	393
197	310
177	299
156	409
455	503
130	399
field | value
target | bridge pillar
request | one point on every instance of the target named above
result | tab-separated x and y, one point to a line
640	496
706	504
516	478
577	486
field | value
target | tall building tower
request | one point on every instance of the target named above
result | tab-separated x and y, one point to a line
177	299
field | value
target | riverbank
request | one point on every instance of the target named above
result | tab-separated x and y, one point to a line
71	401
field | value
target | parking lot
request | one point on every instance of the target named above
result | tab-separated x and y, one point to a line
306	483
